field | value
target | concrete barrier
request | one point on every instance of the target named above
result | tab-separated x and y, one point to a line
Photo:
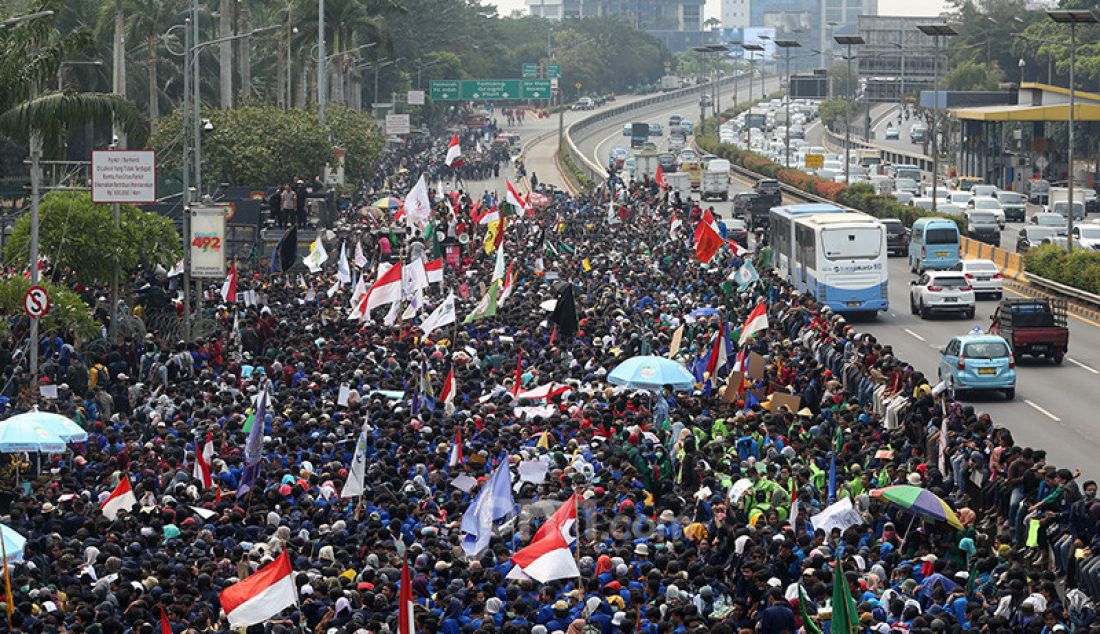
1010	263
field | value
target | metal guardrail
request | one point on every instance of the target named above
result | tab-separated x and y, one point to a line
1062	289
891	155
592	169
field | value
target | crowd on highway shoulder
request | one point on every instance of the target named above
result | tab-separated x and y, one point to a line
709	509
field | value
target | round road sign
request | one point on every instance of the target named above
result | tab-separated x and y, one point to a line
36	302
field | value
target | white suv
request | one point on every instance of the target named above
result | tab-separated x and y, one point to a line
941	291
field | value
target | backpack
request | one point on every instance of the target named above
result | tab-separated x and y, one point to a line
99	376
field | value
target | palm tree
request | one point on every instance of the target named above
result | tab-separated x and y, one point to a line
146	21
348	24
30	55
712	23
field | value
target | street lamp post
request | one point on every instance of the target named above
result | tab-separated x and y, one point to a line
787	45
937	31
321	97
848	41
1072	17
753	49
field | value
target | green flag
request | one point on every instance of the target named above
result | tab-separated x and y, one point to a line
838	441
845	620
248	421
808	625
487	307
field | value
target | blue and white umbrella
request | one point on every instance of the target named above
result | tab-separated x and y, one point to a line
13	544
17	436
652	373
706	311
57	424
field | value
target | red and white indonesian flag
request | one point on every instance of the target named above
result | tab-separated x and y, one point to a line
385	290
203	459
513	198
548	557
229	287
674	226
121	499
434	270
545	392
718	356
261	596
507	287
707	238
406	617
454	152
756	321
447	397
455	458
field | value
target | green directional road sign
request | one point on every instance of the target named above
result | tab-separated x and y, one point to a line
536	89
490	89
444	89
553	71
530	71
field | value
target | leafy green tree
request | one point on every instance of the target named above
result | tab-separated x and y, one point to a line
261	145
832	112
76	234
68	313
973	76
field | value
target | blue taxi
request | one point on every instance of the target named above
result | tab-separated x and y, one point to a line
978	361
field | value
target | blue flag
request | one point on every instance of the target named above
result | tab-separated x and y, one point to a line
832	477
253	447
493	502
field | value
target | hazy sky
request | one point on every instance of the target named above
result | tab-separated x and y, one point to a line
885	7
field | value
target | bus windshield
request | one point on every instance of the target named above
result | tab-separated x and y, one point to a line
855	243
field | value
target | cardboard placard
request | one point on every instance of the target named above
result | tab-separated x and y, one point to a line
733	388
677	341
780	399
756	366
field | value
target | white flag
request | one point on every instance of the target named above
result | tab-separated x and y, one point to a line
391	317
498	267
418	208
357	472
343	269
443	315
317	256
414	277
357	294
360	259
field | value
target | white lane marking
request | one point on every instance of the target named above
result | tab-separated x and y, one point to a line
915	335
1082	365
1042	411
893	314
599	145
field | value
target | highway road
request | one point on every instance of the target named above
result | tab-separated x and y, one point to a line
1053	408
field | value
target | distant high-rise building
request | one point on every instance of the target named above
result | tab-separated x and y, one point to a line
679	23
898	59
735	14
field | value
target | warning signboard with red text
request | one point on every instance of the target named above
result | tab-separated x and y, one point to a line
124	176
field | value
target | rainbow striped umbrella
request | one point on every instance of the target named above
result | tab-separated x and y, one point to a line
919	502
388	202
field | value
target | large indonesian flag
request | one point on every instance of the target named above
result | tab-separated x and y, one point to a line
385	290
121	499
261	596
434	270
454	152
754	323
549	557
513	198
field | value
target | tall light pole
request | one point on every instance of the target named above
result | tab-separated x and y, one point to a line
937	31
763	67
733	45
1072	17
36	178
787	45
321	96
753	49
848	41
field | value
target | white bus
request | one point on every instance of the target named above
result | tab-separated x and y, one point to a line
840	258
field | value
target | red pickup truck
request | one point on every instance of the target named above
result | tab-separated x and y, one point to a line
1035	327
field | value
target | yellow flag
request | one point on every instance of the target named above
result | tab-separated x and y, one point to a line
490	241
544	440
586	264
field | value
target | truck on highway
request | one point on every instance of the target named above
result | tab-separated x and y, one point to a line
639	134
753	208
756	118
1033	326
679	182
1058	202
670	82
716	180
645	164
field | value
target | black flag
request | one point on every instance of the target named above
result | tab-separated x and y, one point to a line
565	313
286	251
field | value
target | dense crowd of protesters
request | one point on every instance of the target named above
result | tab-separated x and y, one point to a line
668	540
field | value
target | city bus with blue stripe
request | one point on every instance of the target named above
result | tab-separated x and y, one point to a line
839	257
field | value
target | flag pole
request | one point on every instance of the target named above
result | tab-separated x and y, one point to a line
9	598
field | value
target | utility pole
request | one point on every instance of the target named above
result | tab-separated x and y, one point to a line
118	143
321	96
185	194
937	31
848	41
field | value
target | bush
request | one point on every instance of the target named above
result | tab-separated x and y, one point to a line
1079	270
68	314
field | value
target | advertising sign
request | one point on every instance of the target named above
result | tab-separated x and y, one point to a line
207	241
124	176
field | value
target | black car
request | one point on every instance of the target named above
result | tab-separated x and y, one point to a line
1033	236
667	161
1014	205
897	237
983	227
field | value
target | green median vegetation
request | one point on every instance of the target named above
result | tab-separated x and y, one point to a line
1081	269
